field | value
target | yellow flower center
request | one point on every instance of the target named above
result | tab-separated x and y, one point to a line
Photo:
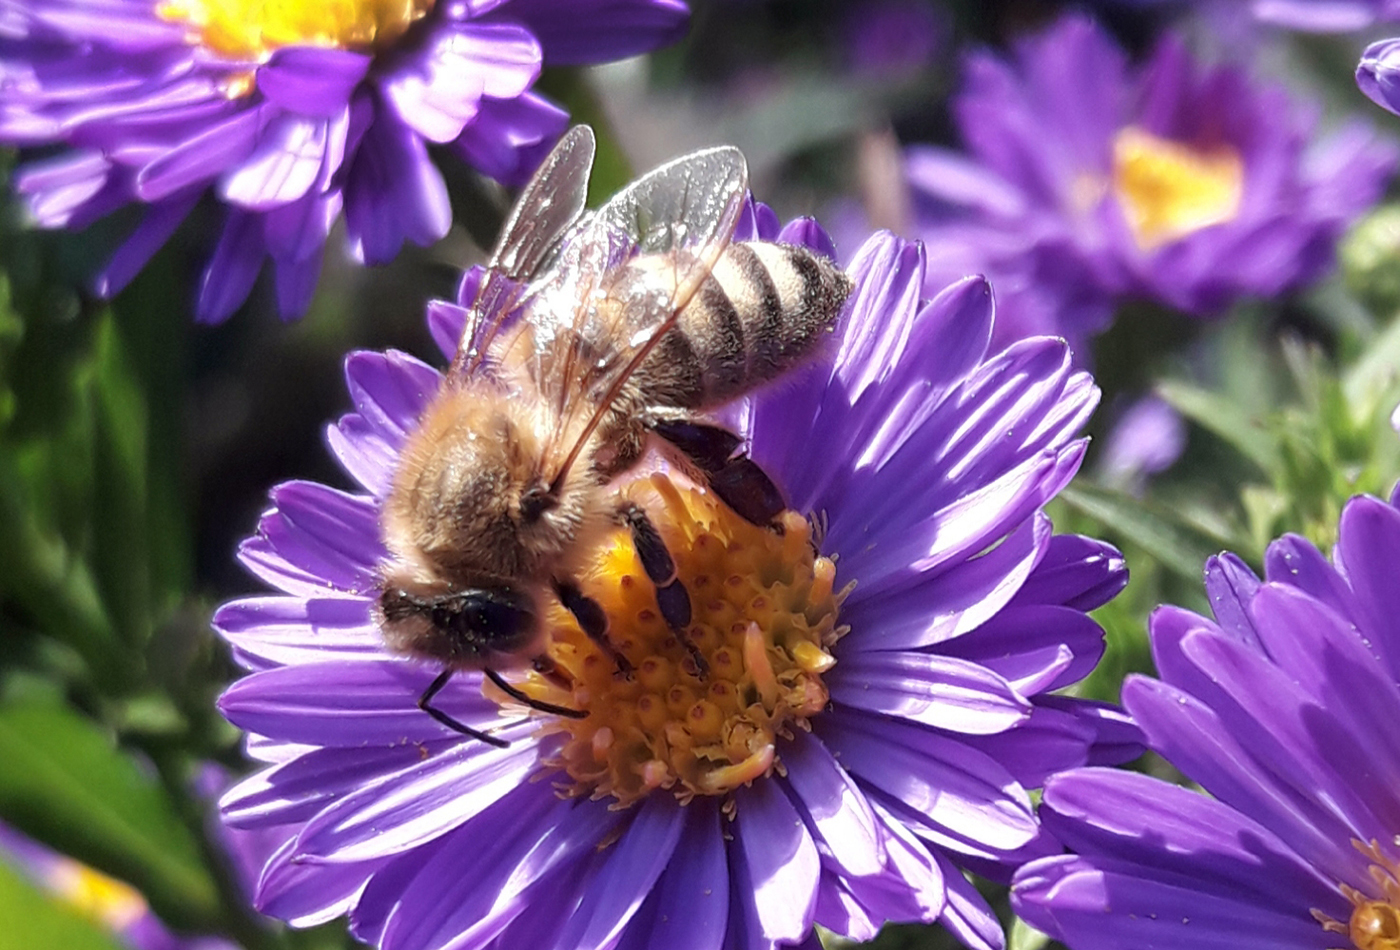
763	619
1375	920
251	30
96	896
1168	190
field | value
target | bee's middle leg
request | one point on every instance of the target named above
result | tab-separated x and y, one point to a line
660	567
737	479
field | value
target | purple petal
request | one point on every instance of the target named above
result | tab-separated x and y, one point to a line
485	874
952	787
778	860
228	277
1049	741
1077	572
353	703
316	541
200	158
393	193
159	223
948	603
305	895
806	232
312	81
1369	544
1198	743
689	906
295	791
278	631
1378	74
966	914
296	285
389	391
1035	649
1102	907
447	322
630	868
1295	561
578	32
1172	832
285	163
940	691
839	816
1229	585
510	137
420	803
438	90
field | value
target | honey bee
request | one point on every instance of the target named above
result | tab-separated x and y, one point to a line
591	338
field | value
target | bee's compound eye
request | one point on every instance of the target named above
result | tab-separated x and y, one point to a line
494	618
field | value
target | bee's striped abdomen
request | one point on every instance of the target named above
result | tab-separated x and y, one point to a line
763	309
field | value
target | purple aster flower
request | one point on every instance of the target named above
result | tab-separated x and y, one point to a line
111	904
853	747
1283	707
1088	181
288	113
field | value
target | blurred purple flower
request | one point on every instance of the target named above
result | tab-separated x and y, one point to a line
927	461
1146	439
288	114
111	904
1284	708
1314	16
1326	16
1089	182
893	38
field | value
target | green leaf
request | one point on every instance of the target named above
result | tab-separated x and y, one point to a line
40	572
1025	937
66	784
120	551
33	920
1224	417
1378	369
1180	546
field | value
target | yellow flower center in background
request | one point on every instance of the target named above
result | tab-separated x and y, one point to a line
1375	922
251	30
1168	190
763	618
99	898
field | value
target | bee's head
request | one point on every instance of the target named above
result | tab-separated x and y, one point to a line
495	626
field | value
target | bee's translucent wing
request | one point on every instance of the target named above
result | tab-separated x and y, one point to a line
549	206
594	318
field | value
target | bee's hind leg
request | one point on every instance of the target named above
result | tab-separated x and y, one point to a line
737	479
660	567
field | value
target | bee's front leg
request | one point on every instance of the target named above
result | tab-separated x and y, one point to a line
592	620
660	567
